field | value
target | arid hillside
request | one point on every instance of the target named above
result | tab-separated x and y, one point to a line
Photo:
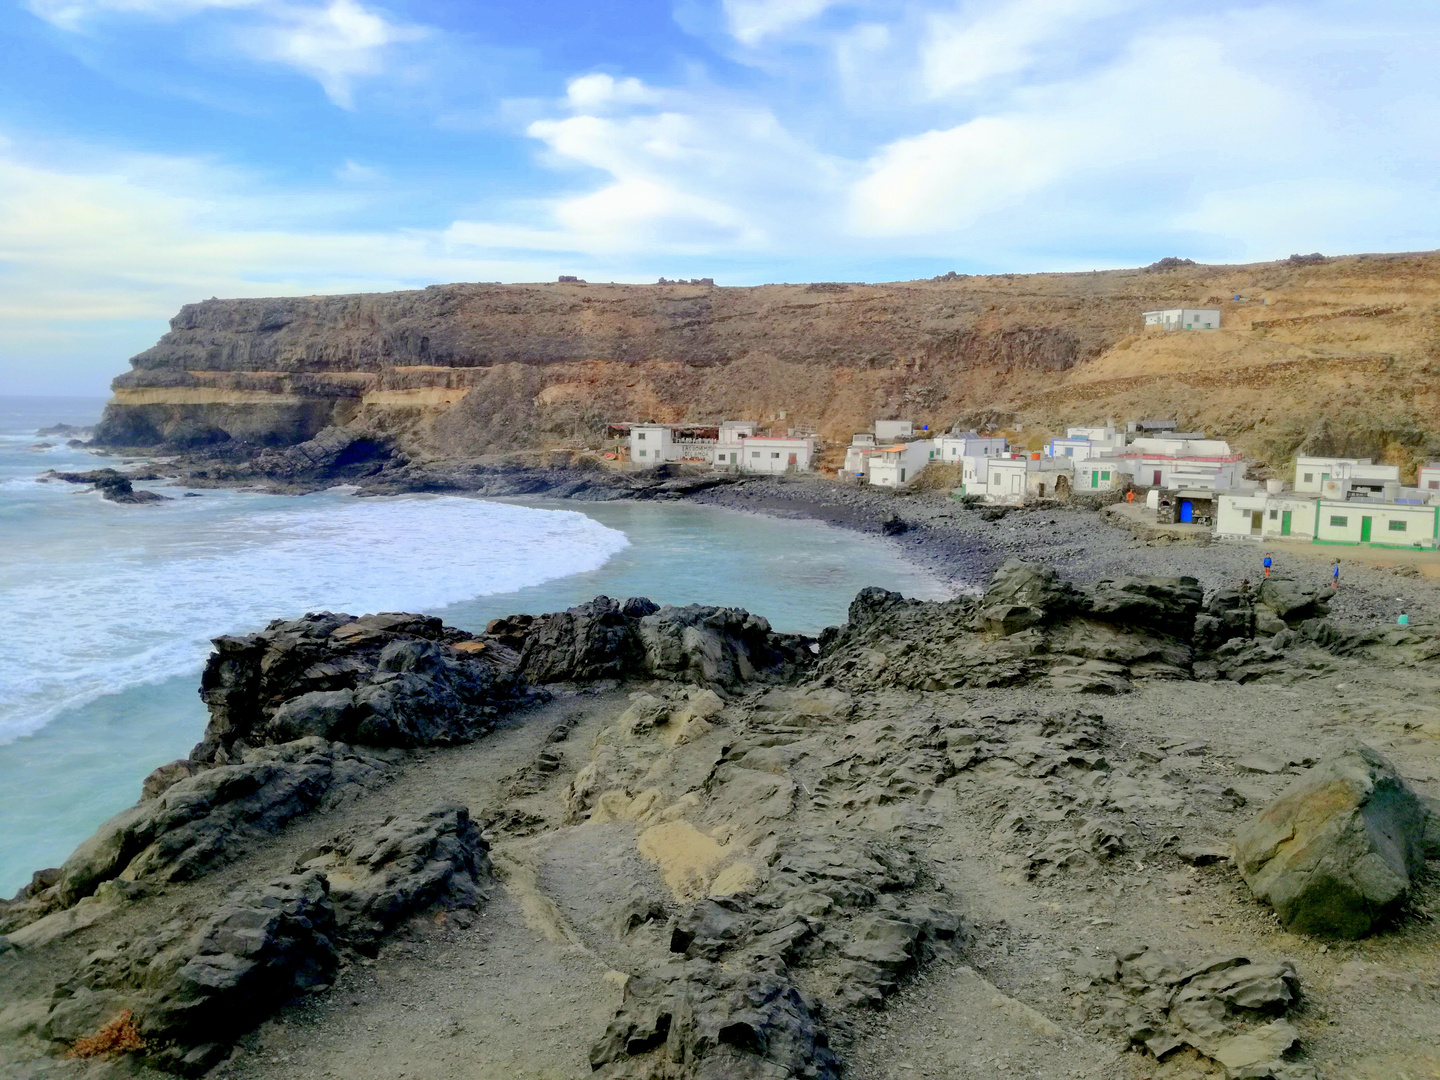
1341	355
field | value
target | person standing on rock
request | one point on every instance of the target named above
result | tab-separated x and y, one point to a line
1335	576
1269	562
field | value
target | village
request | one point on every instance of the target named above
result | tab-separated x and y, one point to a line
1157	474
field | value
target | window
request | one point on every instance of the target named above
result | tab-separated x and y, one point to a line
1339	522
640	435
1105	475
1434	485
642	453
755	455
1309	477
776	456
1274	514
1397	526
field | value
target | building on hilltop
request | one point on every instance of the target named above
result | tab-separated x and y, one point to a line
1184	318
1429	478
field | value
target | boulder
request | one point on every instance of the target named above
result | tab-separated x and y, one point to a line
594	640
1294	601
1337	852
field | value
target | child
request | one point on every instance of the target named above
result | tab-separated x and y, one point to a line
1268	563
1335	576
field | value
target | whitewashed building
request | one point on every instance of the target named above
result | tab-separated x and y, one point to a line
1268	515
651	444
889	431
1183	463
1080	443
1408	524
1184	318
1429	477
1016	479
857	454
899	464
777	454
730	445
1099	474
1311	473
952	448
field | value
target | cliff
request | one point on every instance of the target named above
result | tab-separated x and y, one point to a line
1337	355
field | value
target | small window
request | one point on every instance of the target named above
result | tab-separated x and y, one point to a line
1397	526
1339	522
755	455
1105	475
774	455
1434	485
642	453
1309	477
640	435
1274	514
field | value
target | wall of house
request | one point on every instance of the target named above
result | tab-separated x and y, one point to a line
1390	525
773	455
652	445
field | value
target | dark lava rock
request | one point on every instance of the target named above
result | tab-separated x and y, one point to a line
383	874
712	646
115	486
206	820
333	452
379	680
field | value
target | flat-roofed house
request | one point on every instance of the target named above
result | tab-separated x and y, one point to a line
1429	477
898	464
1184	318
651	444
1311	473
778	454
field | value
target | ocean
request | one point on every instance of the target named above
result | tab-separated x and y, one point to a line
111	608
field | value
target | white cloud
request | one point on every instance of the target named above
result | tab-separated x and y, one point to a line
691	173
963	50
598	92
752	21
335	42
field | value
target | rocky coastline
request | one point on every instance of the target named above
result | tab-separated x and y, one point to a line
627	841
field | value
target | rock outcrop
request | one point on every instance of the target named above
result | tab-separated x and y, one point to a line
724	648
1028	626
379	680
1337	853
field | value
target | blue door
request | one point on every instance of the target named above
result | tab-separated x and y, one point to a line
1187	510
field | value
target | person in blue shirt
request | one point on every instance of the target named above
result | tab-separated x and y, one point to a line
1335	575
1269	562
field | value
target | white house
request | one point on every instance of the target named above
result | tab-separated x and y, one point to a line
1378	524
730	445
1099	473
1188	463
1270	515
952	448
776	454
899	464
1080	443
1312	472
651	444
1184	318
1015	479
1429	478
889	431
857	454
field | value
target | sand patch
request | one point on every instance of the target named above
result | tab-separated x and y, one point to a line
687	858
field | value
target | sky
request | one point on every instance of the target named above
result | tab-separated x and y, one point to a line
157	152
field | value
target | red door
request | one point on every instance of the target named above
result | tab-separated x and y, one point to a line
1157	479
792	461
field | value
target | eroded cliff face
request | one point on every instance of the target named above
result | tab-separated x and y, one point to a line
464	370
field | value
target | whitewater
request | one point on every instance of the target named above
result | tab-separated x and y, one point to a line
111	608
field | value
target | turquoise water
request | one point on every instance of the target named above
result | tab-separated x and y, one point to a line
111	608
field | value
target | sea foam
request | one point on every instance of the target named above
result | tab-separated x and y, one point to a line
107	597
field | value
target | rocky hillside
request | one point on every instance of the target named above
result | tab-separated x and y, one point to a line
1338	355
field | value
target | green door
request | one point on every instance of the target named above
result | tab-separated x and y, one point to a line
1284	522
1365	530
1094	478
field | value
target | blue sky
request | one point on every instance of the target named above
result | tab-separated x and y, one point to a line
154	152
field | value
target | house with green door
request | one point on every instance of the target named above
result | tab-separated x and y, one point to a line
1268	516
